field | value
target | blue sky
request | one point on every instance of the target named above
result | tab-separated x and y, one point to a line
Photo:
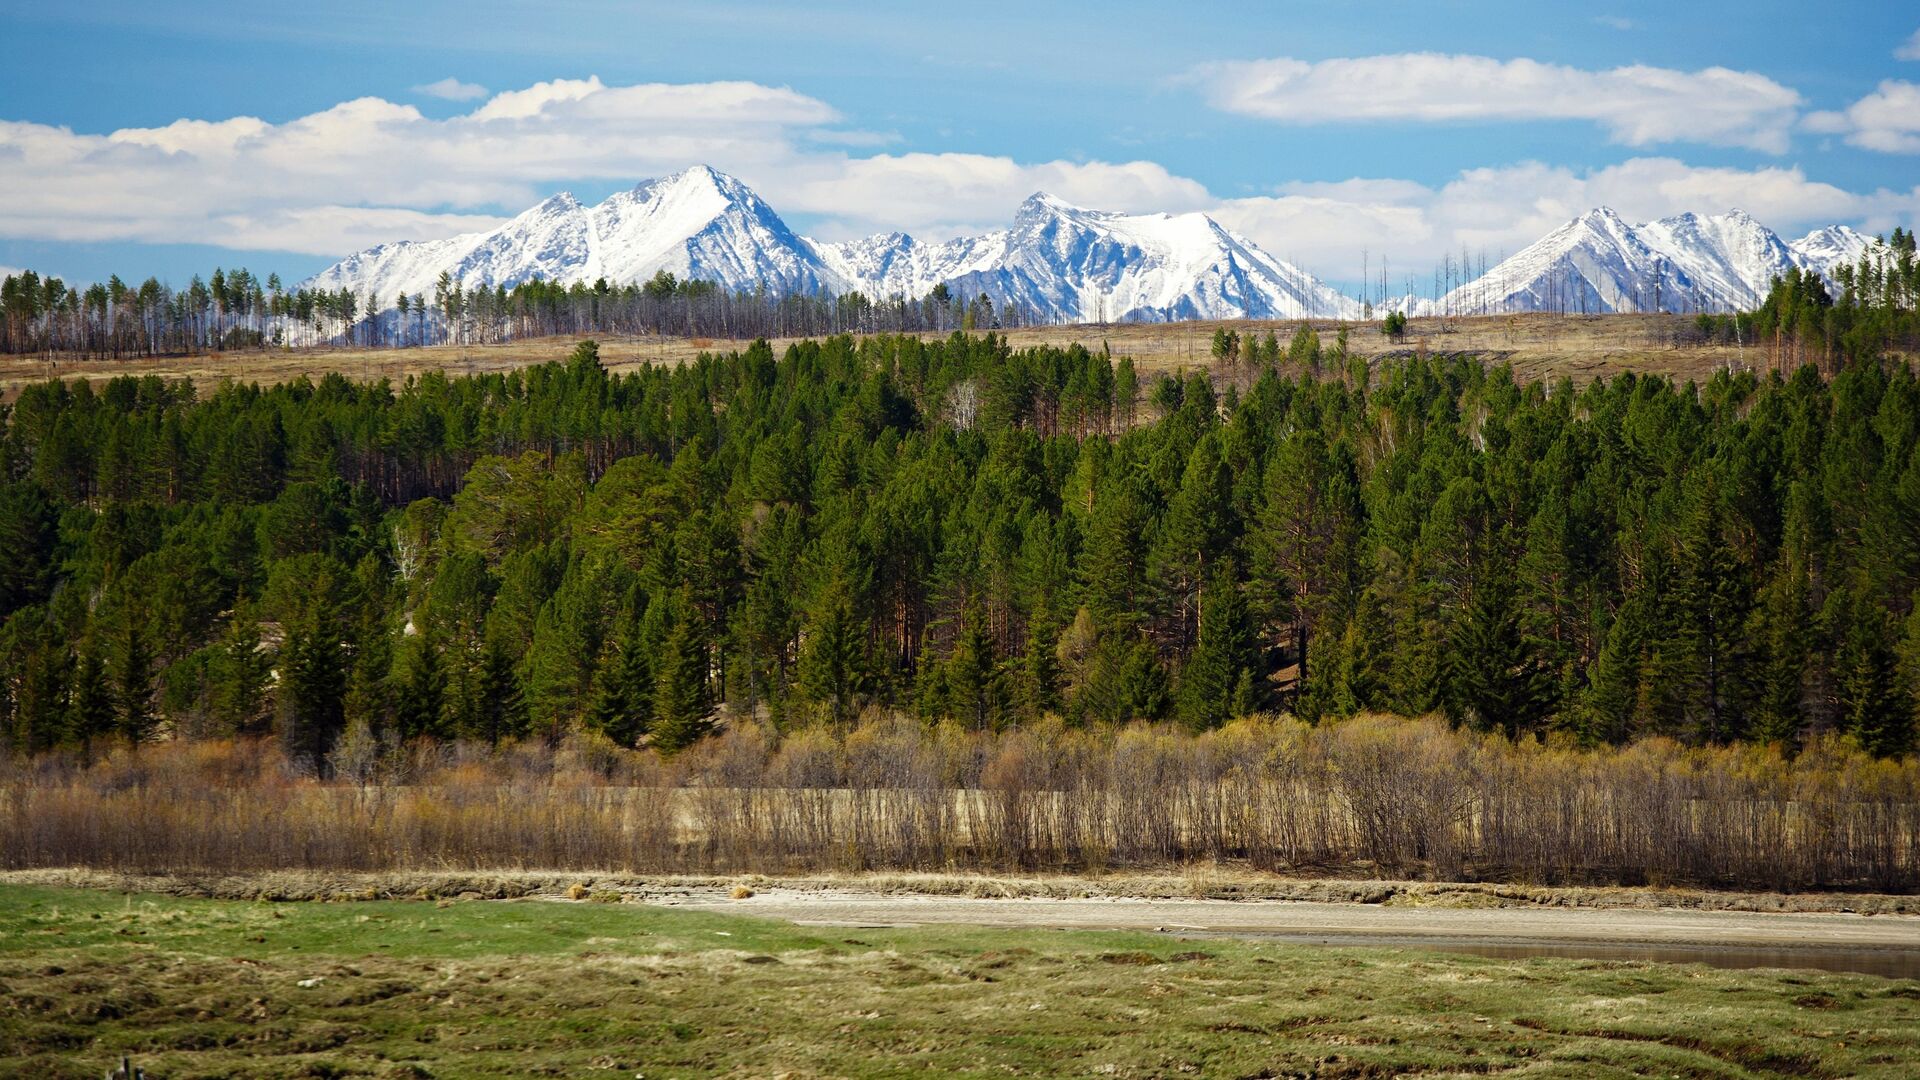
851	118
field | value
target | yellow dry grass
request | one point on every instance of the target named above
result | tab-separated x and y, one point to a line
1538	346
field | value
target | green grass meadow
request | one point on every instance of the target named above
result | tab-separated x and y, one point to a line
206	988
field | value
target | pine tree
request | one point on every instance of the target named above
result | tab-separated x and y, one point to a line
1193	536
1304	548
1875	708
1040	669
1716	599
239	675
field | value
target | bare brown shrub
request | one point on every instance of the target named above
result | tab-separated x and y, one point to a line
1373	794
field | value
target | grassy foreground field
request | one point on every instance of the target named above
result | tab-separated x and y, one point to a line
481	988
1539	346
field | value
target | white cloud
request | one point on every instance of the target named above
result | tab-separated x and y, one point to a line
369	170
935	196
1615	22
452	89
1499	210
1887	120
366	169
1909	49
1637	105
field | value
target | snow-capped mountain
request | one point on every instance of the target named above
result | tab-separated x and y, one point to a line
700	224
1064	263
1057	263
1835	246
1599	263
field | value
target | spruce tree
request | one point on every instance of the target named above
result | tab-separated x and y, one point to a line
132	683
421	699
1222	661
623	707
1497	679
502	712
680	701
833	666
312	690
92	702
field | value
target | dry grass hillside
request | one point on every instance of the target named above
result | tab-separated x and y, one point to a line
1538	346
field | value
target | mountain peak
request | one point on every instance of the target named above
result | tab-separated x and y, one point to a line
1062	262
559	200
696	180
1044	204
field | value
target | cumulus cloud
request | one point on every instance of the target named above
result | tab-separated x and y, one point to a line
1887	120
371	170
1909	49
1637	105
452	89
1499	210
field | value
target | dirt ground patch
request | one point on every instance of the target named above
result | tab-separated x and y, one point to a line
1193	883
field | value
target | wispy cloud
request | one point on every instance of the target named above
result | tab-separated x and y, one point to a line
1909	49
452	89
1637	105
1887	120
1615	22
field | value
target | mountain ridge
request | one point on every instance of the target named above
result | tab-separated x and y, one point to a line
1058	262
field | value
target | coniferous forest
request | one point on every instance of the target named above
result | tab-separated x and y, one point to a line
982	541
961	532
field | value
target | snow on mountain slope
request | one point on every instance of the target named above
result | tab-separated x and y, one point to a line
705	225
1058	262
895	264
1061	262
1064	261
1828	249
699	224
1599	263
1730	259
1594	263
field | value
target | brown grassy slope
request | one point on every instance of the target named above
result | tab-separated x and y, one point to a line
1539	346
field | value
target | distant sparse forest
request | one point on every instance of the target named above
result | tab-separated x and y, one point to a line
960	532
1877	307
234	310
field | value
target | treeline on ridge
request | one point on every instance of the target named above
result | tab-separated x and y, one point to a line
963	532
